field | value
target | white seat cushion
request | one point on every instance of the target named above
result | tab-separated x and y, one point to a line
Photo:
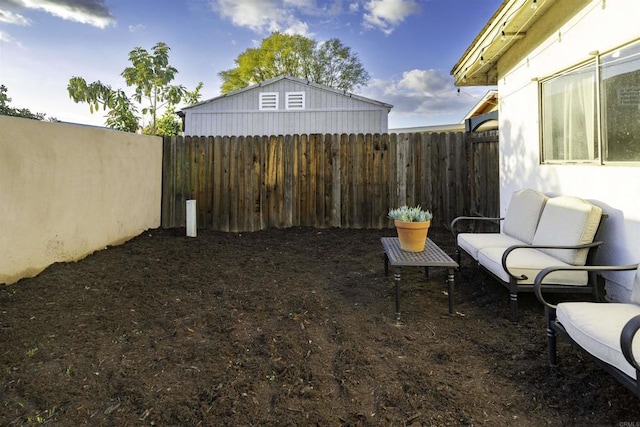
529	262
523	214
568	221
473	242
596	327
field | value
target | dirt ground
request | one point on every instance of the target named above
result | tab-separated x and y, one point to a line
282	327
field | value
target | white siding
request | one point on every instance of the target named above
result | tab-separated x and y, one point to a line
325	112
616	188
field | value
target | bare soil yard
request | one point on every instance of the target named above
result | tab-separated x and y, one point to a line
282	327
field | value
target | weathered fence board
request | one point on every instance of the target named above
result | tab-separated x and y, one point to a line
252	183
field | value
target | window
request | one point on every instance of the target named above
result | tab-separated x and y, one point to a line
569	116
620	104
295	101
592	113
268	101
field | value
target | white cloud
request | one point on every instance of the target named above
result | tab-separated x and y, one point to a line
13	18
5	37
9	17
257	15
263	16
300	3
136	28
298	27
423	97
386	15
427	82
296	16
91	12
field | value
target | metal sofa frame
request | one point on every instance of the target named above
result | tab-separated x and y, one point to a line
555	328
513	284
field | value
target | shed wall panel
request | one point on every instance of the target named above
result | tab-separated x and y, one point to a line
326	111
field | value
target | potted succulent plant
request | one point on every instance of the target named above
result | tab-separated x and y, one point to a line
412	224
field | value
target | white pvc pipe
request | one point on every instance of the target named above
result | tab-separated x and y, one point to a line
192	229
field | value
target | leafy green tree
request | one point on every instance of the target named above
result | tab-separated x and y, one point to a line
122	115
169	124
6	110
150	75
330	63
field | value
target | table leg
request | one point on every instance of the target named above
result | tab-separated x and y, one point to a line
450	282
396	281
386	265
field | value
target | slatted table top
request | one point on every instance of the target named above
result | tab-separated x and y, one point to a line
431	256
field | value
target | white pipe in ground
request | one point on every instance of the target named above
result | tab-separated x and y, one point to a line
192	229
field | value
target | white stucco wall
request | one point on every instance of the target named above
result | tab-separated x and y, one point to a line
600	26
67	191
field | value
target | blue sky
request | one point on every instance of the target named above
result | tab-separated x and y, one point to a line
407	46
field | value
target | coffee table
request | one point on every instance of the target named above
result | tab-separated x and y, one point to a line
431	256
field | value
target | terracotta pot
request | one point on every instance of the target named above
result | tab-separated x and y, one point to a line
412	235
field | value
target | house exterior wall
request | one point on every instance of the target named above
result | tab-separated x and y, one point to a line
554	46
325	112
67	191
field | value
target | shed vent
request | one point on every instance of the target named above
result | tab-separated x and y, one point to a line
295	100
269	101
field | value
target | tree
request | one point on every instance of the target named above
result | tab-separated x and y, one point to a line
329	63
150	75
6	110
169	124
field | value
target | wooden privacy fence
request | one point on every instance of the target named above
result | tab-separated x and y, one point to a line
349	181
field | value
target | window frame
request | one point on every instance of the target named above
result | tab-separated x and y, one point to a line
541	110
599	126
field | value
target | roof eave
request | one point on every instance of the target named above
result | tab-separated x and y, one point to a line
478	66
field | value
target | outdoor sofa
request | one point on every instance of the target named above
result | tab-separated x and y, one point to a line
604	330
537	232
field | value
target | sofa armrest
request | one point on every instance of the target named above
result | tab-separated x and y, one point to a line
537	284
626	339
510	249
454	229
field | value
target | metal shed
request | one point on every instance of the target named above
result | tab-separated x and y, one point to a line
285	105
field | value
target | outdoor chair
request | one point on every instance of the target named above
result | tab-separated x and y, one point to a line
519	226
603	330
538	232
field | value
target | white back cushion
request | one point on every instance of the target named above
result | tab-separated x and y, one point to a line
523	213
567	221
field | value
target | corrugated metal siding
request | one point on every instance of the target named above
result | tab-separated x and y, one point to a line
325	112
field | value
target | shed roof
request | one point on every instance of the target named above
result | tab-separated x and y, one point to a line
294	79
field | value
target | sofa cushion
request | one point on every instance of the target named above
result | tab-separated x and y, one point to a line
473	242
567	220
523	213
596	327
529	262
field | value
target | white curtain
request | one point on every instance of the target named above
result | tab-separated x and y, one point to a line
578	116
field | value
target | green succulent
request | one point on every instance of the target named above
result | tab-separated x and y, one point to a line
407	214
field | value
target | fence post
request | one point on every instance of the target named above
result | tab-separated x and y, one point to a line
401	171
